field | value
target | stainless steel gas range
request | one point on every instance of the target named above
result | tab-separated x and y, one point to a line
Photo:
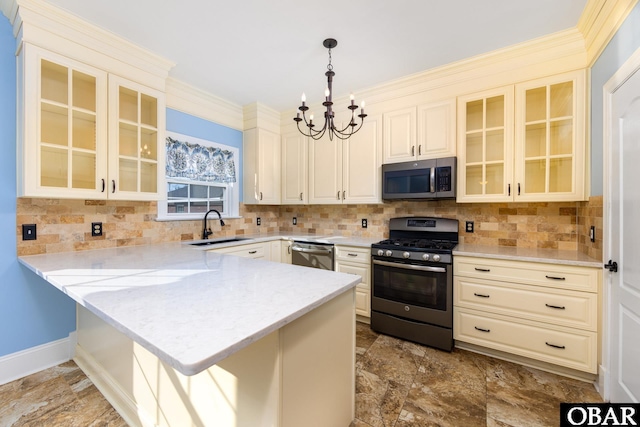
412	285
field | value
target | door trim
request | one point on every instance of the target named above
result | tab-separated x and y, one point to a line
626	70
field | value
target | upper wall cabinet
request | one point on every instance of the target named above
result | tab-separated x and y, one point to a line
261	167
295	158
71	145
423	132
538	157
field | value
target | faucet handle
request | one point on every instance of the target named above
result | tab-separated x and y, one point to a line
209	232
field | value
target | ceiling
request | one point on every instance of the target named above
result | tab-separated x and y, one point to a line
271	51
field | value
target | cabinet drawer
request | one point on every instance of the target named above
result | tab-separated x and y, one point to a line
353	254
558	307
533	273
572	348
254	250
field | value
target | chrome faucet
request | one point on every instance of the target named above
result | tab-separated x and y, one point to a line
206	232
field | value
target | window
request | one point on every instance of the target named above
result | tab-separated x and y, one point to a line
200	175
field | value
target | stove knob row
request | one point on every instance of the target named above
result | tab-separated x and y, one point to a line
406	255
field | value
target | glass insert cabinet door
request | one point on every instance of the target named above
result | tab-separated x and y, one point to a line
485	141
135	150
64	142
550	138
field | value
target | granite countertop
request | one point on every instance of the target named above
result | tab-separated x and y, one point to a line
190	308
552	256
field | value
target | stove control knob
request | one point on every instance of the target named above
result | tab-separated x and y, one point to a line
388	253
425	257
406	255
380	252
436	257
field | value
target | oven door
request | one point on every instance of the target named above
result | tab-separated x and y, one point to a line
413	291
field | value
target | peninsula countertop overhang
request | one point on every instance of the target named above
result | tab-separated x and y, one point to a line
190	308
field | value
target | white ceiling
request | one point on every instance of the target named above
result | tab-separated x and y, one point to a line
271	51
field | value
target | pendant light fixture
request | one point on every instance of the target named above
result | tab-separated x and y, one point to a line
329	126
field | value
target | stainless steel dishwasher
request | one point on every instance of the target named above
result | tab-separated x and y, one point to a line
316	255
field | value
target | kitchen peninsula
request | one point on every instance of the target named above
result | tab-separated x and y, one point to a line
175	336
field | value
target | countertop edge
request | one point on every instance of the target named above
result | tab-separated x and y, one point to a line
548	256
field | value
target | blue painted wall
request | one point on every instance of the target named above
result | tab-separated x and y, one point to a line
620	48
199	128
32	312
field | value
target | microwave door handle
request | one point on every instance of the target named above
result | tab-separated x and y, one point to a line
432	180
410	266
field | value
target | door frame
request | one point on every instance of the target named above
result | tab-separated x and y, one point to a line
626	70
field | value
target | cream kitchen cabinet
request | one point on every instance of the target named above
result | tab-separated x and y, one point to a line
524	142
86	133
261	165
423	132
295	159
357	260
347	171
546	312
260	250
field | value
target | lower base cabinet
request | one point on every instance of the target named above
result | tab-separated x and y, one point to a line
357	260
545	312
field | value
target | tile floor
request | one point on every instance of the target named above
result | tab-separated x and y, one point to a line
398	384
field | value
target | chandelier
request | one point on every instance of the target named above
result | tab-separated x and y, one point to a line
329	125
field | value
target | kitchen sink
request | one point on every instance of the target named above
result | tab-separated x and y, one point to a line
218	241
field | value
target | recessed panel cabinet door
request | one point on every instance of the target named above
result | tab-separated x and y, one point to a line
325	171
295	147
361	163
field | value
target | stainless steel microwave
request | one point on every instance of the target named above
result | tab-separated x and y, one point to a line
421	179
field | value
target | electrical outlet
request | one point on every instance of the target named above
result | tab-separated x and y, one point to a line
295	221
592	233
96	229
28	232
364	223
469	226
258	221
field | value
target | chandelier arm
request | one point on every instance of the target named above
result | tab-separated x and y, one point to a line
346	135
312	132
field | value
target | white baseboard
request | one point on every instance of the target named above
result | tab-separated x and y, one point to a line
603	380
26	362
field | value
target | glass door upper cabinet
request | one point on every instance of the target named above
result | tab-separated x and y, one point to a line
65	127
550	138
485	129
136	150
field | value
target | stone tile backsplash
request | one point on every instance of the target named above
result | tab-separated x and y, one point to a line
65	225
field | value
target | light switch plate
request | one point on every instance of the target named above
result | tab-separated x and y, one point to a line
28	232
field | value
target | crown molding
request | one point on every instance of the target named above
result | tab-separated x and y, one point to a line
191	100
600	21
260	116
9	8
40	23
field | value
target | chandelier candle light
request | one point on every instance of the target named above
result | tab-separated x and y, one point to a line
351	127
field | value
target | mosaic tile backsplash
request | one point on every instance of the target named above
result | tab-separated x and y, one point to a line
65	225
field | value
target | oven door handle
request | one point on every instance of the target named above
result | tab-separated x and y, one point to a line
411	266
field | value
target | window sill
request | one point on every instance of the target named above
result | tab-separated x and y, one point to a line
198	217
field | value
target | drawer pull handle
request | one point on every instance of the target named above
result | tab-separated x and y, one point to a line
559	307
253	252
484	270
481	295
350	254
561	347
555	278
482	330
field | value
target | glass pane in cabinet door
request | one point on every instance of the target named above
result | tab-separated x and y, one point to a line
535	176
148	110
474	184
54	82
54	124
536	104
54	167
561	137
494	183
128	175
128	141
148	144
148	177
561	100
83	170
84	91
474	147
495	112
83	133
535	140
475	116
560	175
495	145
128	105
